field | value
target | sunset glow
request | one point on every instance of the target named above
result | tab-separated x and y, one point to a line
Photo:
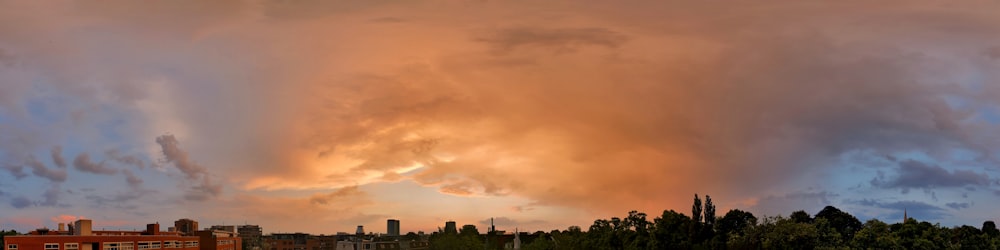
318	116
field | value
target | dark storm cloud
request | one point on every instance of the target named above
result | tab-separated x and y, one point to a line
83	163
558	39
920	175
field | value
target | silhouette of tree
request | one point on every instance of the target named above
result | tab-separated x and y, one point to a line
801	217
831	228
696	210
875	234
788	234
844	223
709	212
990	229
970	237
735	221
669	230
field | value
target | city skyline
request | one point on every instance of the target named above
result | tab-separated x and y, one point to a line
316	117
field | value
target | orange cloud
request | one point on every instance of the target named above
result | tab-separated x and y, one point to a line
593	106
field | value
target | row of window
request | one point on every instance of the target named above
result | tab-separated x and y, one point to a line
125	245
118	246
51	246
225	242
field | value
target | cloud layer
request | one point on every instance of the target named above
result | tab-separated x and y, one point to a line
590	106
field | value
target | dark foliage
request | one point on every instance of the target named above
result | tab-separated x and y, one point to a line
831	228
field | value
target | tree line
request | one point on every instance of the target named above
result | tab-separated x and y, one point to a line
830	228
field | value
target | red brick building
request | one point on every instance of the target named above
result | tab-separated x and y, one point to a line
81	237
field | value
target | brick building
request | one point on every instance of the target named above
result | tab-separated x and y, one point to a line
82	237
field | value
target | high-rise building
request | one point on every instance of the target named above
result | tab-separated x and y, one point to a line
360	231
249	230
251	235
449	227
392	227
186	226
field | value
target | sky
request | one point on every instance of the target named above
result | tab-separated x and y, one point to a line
318	116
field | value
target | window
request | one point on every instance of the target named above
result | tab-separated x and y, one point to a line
126	246
11	246
154	245
51	246
71	246
111	246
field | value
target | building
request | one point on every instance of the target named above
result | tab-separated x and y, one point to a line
302	241
222	228
449	227
218	240
186	226
287	241
81	236
251	235
392	227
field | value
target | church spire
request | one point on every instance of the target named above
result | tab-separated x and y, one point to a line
904	215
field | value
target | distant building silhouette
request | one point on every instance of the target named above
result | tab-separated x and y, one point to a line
904	215
186	226
392	227
251	235
449	227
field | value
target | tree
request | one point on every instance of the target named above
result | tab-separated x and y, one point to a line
788	234
4	234
990	229
696	210
801	217
602	234
469	230
467	238
695	230
845	224
669	230
540	243
571	238
734	222
969	237
875	234
636	231
709	212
